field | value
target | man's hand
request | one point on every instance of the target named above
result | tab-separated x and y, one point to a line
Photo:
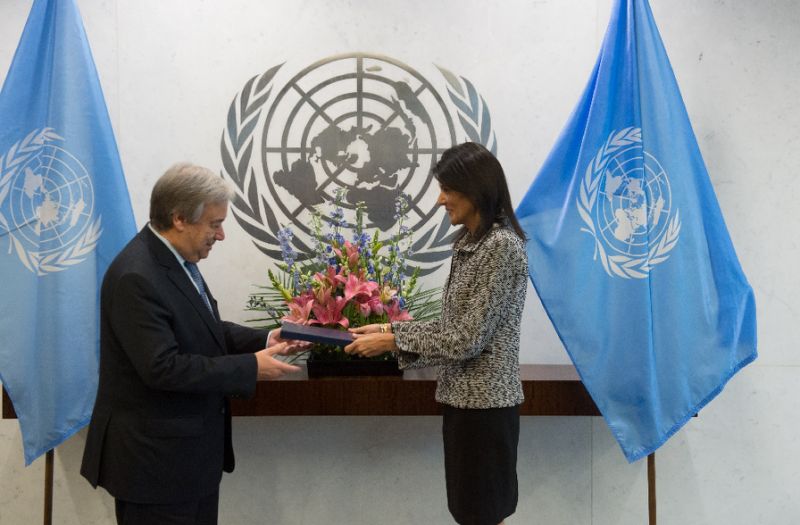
293	346
271	368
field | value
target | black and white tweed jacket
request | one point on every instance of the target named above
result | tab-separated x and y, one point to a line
475	342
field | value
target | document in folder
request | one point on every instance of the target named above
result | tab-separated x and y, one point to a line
316	334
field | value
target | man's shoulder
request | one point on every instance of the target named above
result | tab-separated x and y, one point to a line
136	257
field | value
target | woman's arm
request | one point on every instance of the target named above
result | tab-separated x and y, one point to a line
377	339
481	307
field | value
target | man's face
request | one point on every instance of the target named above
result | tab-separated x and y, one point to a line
194	240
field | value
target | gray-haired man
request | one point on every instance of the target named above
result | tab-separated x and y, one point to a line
160	435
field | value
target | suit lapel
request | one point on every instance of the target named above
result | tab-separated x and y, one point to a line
183	283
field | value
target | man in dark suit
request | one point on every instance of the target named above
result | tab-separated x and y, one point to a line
160	434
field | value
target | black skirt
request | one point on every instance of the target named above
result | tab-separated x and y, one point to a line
480	463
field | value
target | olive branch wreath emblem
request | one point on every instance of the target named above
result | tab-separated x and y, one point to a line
252	210
10	164
473	112
236	146
621	265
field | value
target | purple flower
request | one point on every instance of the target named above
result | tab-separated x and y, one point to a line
288	254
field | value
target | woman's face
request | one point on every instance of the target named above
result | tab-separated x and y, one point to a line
459	208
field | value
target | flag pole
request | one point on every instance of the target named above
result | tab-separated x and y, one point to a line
651	488
48	488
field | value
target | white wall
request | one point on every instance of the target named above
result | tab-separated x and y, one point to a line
169	70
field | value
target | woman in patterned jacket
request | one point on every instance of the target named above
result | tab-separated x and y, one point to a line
475	342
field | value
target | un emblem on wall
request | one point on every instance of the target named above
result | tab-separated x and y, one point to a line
366	124
626	204
46	204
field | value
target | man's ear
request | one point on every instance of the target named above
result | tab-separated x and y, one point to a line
179	222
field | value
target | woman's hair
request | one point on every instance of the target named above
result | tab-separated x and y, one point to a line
472	170
183	190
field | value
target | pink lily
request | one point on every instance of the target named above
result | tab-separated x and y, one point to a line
351	255
376	305
323	294
395	313
329	279
355	287
364	308
300	308
330	314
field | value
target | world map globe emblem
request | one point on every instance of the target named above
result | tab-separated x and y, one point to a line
634	202
366	126
51	201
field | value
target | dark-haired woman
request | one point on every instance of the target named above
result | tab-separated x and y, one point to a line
475	342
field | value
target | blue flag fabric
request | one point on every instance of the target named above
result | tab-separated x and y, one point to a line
628	250
64	215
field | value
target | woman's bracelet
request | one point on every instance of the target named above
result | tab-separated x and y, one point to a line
386	328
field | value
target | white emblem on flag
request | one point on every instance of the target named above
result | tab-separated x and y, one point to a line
625	202
46	204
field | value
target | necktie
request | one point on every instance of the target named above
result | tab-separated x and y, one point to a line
194	271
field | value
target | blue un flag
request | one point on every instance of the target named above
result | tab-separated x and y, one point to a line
64	215
628	250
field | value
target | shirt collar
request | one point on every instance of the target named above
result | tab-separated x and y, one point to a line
168	244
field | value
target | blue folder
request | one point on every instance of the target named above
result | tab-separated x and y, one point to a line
316	334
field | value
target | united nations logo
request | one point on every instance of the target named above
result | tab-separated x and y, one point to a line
626	204
46	204
366	124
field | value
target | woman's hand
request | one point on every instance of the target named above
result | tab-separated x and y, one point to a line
371	344
368	329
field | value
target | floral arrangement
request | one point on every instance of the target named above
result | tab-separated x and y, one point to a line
345	282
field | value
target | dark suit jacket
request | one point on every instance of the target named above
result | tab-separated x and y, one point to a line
160	430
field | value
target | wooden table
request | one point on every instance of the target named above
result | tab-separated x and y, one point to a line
550	390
